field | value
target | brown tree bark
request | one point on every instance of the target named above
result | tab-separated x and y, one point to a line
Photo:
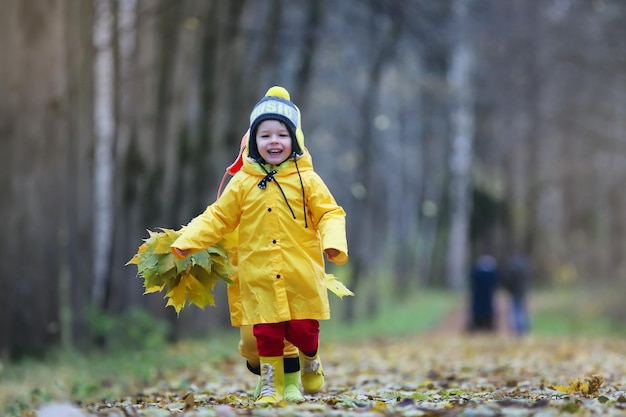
43	143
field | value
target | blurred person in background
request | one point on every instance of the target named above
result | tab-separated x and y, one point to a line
483	284
515	281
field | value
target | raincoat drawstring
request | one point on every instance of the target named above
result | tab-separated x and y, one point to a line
270	177
295	160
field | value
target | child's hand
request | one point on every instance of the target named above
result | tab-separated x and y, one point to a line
182	253
331	252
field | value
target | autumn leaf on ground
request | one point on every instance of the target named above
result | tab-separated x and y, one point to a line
189	400
588	385
434	374
188	281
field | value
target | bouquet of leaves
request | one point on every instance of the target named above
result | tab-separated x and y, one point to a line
187	281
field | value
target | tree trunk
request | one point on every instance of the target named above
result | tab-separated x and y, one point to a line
105	125
42	201
462	122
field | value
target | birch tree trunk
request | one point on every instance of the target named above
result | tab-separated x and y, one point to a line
462	123
104	119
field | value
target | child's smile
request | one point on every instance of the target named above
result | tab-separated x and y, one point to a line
273	141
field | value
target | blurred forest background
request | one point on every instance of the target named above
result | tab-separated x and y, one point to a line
444	127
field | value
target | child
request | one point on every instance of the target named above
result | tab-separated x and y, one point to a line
247	342
286	217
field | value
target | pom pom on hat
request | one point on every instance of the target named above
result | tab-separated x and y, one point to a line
278	91
276	105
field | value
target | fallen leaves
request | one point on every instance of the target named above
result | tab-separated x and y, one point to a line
429	376
587	385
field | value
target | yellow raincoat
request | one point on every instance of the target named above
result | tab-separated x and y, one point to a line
281	272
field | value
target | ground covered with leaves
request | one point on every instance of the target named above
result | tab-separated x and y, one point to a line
426	375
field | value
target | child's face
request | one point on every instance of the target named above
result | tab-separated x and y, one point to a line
273	141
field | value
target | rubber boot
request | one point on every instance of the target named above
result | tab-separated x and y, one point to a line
272	380
312	373
292	387
292	380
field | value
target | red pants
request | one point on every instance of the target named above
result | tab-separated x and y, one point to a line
304	334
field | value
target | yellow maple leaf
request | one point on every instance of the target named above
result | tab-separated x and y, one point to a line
337	287
153	288
162	245
133	261
165	240
136	259
177	294
162	240
197	293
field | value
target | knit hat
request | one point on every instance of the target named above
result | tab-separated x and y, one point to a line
276	105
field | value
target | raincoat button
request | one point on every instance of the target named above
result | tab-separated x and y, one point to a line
269	209
278	276
274	241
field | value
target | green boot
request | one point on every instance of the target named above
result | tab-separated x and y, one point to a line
292	387
312	373
292	380
272	380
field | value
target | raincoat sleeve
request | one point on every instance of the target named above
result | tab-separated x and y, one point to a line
210	227
329	219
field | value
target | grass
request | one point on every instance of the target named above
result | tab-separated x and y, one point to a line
576	311
418	313
99	375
